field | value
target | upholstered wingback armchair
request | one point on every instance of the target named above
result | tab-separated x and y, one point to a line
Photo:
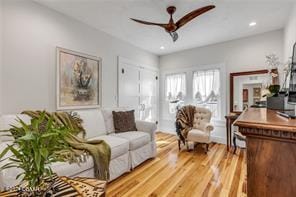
202	128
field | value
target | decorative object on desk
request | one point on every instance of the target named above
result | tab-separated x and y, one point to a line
275	99
292	82
78	80
273	64
35	147
292	87
279	102
274	89
286	71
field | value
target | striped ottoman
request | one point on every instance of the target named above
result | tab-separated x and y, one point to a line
69	187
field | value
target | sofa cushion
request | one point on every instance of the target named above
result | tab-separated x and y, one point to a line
108	118
119	146
124	121
93	122
136	139
71	169
7	120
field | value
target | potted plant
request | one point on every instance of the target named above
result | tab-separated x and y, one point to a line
35	147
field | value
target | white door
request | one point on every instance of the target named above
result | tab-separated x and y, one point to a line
138	89
129	87
148	95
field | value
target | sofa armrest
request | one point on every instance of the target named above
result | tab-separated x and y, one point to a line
207	127
148	127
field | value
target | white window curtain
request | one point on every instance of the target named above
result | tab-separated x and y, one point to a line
206	89
175	86
175	91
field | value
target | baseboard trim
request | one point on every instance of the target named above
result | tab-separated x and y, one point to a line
217	139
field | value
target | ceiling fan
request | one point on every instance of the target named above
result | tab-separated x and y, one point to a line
172	27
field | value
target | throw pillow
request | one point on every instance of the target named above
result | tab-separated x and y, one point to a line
124	121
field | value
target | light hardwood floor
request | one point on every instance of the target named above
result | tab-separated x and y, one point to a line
194	173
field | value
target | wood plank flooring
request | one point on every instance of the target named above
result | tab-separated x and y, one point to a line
194	173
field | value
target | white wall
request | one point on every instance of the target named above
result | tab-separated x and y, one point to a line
290	35
238	55
31	34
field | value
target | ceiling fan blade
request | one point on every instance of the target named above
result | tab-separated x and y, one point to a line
174	36
188	17
149	23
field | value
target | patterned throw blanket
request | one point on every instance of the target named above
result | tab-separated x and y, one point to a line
184	121
98	149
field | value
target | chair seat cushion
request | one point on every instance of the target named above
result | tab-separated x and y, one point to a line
136	139
198	136
119	146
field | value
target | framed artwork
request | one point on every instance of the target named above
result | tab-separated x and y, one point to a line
257	92
79	81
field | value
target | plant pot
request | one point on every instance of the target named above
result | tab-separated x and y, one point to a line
279	102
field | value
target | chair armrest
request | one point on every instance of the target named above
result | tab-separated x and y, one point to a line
207	127
148	127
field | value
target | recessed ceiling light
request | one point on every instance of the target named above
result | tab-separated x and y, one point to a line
162	47
252	24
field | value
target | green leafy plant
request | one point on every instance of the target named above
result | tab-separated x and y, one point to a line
36	145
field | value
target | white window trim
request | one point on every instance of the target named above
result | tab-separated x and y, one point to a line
189	89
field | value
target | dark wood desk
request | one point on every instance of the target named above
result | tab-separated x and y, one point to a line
230	118
271	152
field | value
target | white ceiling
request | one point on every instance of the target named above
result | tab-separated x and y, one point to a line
228	21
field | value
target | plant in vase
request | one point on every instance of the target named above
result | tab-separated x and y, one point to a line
273	64
35	147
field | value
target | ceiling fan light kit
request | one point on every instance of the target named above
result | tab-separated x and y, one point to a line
172	27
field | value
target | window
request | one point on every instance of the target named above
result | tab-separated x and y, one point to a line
175	86
206	90
175	90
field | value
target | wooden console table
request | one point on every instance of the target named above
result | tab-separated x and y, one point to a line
271	152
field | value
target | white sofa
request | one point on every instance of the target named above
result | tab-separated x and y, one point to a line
128	149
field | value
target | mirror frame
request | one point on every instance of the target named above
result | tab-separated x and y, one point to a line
232	75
